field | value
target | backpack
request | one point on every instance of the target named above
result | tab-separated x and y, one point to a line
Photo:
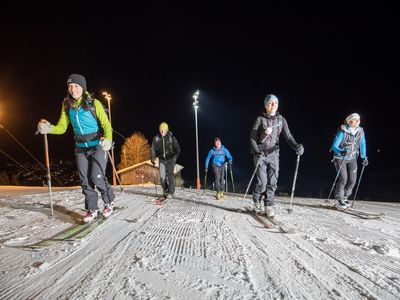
169	140
346	137
92	109
215	152
91	106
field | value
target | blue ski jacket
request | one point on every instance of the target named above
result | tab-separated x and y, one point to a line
350	141
218	156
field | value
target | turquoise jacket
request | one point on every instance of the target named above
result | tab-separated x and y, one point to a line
83	122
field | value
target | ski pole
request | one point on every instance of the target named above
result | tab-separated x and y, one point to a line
155	180
115	170
205	183
46	150
251	179
226	176
358	185
233	184
290	210
337	176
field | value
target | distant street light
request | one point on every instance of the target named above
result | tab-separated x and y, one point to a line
108	98
196	106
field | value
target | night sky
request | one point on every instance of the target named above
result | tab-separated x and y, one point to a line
323	63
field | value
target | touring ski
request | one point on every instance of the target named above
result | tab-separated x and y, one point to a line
159	201
269	222
75	232
357	213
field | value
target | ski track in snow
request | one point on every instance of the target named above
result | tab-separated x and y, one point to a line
194	247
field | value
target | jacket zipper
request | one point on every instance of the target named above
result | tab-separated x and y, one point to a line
79	124
163	144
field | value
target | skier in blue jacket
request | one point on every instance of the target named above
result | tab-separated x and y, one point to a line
348	143
219	155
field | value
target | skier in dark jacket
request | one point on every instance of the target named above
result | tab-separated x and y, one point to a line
219	154
93	138
165	147
264	141
349	142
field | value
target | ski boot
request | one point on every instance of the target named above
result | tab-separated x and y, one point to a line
221	195
342	204
269	212
347	202
218	195
90	216
257	207
107	211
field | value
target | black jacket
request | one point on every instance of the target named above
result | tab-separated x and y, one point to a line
165	148
261	142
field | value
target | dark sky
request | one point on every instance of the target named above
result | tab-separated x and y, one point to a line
323	62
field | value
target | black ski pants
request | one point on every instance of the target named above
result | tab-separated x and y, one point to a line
267	178
347	178
219	178
167	176
92	163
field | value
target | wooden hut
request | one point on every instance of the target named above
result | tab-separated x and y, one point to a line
145	172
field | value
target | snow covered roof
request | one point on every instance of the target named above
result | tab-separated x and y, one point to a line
177	168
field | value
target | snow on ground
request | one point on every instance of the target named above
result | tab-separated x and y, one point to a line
195	247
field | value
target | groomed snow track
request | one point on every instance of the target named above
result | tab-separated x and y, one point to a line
195	247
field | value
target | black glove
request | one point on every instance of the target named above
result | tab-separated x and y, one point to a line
299	149
365	162
343	153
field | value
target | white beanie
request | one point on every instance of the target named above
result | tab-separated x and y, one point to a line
352	117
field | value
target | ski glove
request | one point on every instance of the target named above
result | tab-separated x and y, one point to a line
44	127
106	144
299	149
259	157
365	162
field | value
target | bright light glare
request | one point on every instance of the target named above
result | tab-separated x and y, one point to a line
196	95
107	96
195	101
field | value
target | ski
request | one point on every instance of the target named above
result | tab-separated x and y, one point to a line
260	218
269	222
88	229
282	227
75	232
159	201
380	215
354	212
91	226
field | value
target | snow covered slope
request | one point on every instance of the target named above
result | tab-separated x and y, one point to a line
195	247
